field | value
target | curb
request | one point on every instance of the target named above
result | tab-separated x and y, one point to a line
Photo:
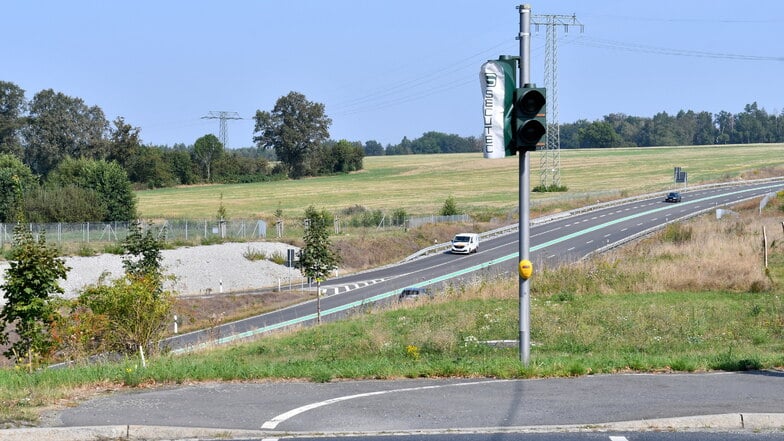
757	422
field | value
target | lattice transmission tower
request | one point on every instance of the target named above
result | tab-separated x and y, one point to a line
224	130
550	160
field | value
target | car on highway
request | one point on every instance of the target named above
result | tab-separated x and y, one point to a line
413	292
673	196
465	243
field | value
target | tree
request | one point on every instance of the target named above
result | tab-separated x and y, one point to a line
207	149
599	134
12	108
13	173
178	160
31	278
143	253
59	127
316	258
147	165
373	148
123	143
294	129
107	179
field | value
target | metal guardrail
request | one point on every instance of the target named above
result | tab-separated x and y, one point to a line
509	229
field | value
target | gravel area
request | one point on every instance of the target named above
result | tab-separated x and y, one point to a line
197	270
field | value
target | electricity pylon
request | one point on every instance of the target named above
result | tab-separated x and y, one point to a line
223	117
550	161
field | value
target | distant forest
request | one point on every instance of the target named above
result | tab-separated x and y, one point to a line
753	125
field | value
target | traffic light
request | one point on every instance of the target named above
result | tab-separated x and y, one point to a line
528	118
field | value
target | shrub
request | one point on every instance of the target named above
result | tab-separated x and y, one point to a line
64	204
399	216
135	310
30	281
450	207
108	179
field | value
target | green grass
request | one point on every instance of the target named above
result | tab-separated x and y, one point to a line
421	183
571	336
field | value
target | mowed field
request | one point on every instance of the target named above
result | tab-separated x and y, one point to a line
420	184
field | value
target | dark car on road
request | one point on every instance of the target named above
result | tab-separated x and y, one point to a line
673	196
413	292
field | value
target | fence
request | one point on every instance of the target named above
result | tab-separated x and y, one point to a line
183	230
417	221
187	230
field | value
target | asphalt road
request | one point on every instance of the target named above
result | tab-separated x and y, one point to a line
558	241
723	401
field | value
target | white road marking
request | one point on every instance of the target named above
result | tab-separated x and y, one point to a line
273	423
618	438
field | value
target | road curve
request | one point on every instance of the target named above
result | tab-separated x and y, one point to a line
559	241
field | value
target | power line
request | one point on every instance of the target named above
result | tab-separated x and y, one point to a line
223	116
632	47
550	159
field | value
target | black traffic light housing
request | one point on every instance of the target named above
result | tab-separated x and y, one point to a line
528	118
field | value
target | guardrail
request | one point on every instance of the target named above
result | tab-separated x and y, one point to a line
509	229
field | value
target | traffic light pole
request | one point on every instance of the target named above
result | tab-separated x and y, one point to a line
524	195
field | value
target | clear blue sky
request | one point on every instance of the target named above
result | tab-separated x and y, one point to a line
385	69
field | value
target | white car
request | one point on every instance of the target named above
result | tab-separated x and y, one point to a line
465	243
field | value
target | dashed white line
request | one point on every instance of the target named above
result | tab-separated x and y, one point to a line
618	438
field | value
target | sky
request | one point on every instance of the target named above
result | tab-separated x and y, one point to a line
386	70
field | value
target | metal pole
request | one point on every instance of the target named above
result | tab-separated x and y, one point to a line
525	184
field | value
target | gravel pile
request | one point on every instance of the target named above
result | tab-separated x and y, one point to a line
198	270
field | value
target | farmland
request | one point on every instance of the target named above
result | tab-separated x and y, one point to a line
420	184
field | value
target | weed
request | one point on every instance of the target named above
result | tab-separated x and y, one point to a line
278	258
114	248
254	254
677	233
85	251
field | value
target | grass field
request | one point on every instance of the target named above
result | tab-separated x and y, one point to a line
421	183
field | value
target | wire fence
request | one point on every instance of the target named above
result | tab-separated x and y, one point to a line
185	230
189	230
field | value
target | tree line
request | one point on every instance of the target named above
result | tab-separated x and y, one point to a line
74	165
687	127
753	125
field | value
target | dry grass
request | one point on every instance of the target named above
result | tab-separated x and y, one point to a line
703	254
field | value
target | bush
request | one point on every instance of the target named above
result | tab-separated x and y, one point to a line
109	181
450	207
399	216
134	309
64	204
